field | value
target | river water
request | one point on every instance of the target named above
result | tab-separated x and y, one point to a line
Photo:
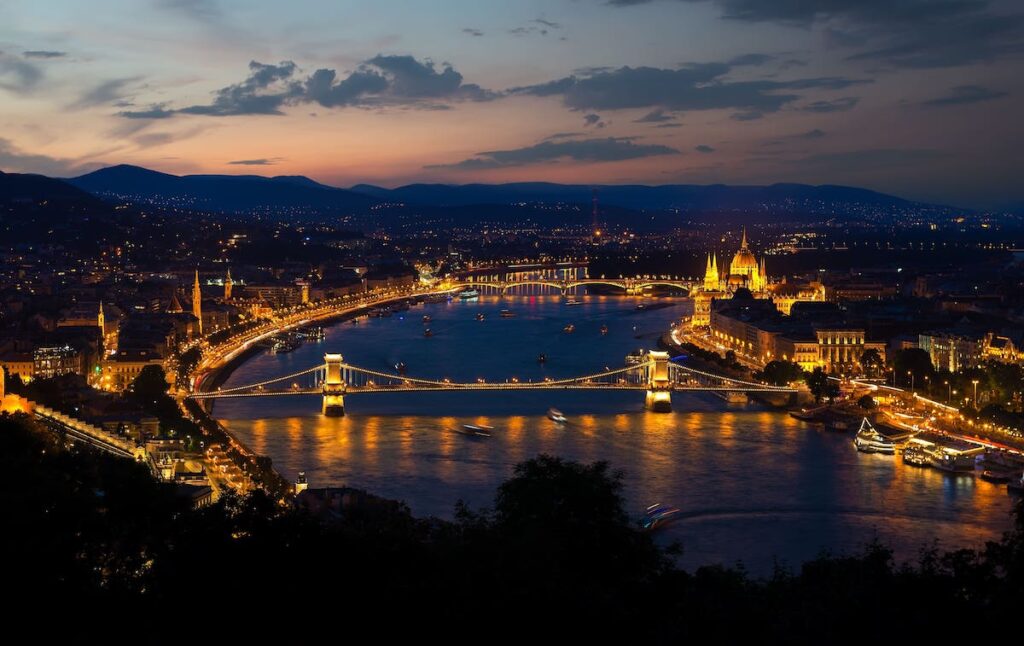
754	484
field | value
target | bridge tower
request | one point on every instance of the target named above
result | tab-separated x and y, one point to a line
659	385
334	386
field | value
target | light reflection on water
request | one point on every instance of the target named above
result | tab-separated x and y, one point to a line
753	484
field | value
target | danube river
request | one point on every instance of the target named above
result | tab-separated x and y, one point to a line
754	484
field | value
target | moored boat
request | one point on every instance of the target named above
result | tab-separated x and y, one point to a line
868	440
915	455
468	294
999	476
949	462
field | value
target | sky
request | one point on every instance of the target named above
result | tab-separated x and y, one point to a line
919	98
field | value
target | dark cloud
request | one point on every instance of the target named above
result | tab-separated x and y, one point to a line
696	86
898	33
155	111
17	75
255	162
594	120
704	149
538	26
585	150
472	32
43	53
263	92
563	135
965	94
107	92
835	105
657	115
810	134
379	81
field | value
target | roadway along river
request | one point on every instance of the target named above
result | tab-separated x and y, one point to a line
754	484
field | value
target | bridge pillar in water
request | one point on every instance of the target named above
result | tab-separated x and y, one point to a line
334	387
659	385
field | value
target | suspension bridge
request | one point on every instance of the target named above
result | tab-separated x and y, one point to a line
654	373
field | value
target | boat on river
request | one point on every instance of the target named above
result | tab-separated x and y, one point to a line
507	314
475	430
658	515
950	462
569	329
426	318
287	343
999	476
915	455
868	440
479	316
468	294
557	416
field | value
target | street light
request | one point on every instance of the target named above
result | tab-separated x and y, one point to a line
975	382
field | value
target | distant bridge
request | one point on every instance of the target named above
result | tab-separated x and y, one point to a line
628	285
335	378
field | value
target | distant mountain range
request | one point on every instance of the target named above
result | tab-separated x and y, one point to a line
681	197
37	190
227	193
301	197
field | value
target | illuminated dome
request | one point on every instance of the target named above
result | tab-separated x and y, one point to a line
743	260
745	267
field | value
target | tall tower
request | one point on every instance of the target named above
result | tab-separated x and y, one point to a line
101	323
197	302
227	286
710	276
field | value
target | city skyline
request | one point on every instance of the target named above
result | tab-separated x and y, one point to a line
912	98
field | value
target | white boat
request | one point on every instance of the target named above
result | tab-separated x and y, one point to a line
469	294
868	440
475	430
573	301
556	416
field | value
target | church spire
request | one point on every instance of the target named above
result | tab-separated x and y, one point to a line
227	286
743	244
197	303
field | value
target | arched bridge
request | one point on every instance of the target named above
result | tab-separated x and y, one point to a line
335	378
628	285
